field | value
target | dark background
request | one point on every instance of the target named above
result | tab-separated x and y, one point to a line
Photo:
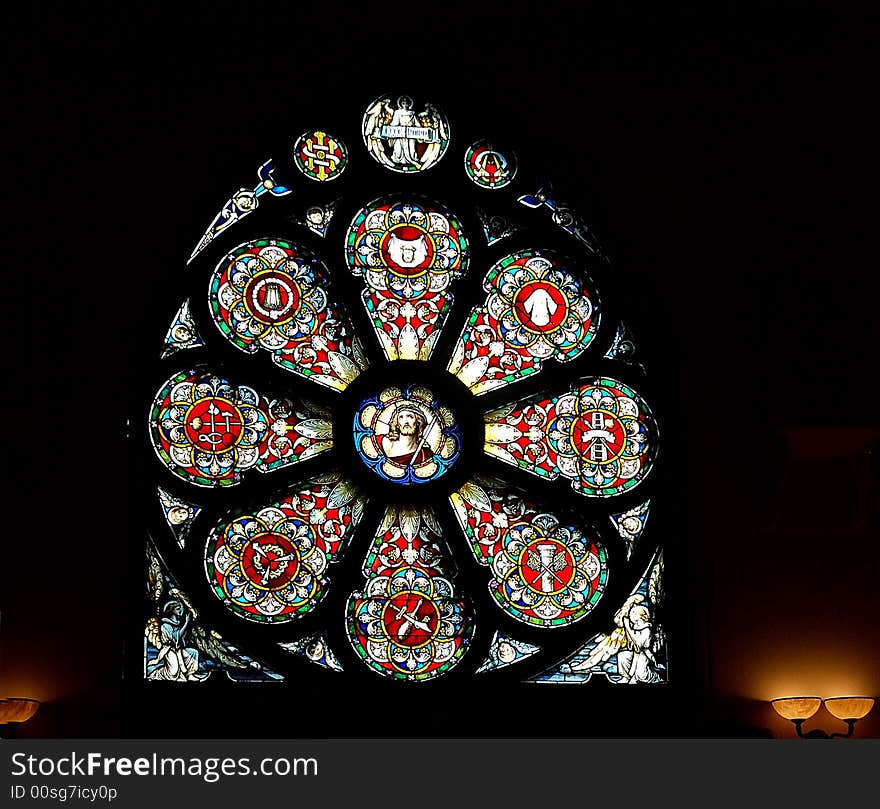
726	160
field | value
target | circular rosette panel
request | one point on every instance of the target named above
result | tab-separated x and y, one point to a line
270	566
409	626
403	136
320	156
537	308
406	435
601	435
208	431
548	574
271	294
408	253
488	166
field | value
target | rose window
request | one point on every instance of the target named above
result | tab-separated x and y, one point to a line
398	428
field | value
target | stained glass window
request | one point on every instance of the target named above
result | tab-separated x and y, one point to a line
396	428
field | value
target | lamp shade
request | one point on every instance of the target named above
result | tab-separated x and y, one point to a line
17	709
849	707
796	707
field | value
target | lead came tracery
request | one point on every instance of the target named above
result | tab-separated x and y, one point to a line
438	392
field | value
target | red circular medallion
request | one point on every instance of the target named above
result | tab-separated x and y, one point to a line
213	424
411	619
540	307
598	436
546	566
271	297
407	250
270	561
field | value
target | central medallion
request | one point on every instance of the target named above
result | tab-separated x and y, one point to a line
406	435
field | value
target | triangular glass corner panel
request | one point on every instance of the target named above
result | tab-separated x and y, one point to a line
538	308
182	333
623	347
634	651
179	646
496	227
630	524
178	514
315	649
505	650
408	253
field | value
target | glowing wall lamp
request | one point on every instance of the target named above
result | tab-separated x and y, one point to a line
799	709
14	711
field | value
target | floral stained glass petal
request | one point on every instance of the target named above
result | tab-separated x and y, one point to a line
273	295
179	646
182	333
270	565
209	432
409	621
504	651
634	651
545	572
408	253
537	308
600	435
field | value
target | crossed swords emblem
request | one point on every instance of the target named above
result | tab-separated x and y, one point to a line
412	620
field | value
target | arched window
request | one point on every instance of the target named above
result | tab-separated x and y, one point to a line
398	430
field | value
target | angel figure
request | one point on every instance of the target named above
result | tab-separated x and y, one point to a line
181	642
169	634
379	115
431	119
634	642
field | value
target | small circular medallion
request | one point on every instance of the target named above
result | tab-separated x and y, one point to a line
320	156
488	166
405	435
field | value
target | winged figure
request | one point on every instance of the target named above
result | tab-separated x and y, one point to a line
376	117
635	643
181	642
